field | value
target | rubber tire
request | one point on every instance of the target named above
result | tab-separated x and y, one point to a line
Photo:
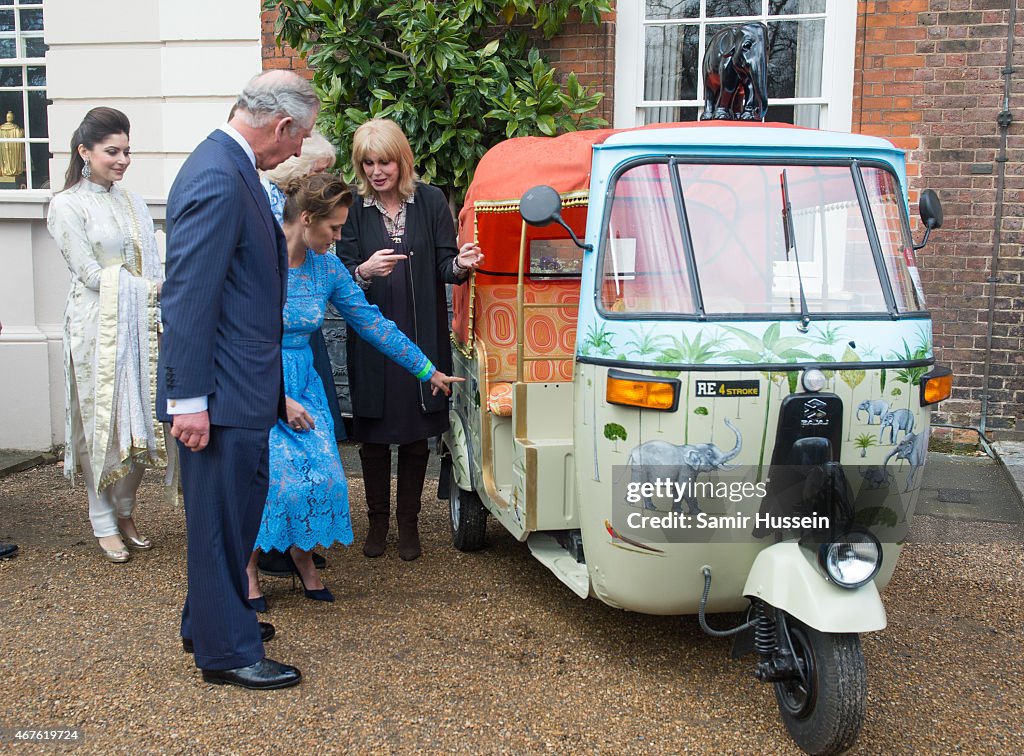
824	717
467	518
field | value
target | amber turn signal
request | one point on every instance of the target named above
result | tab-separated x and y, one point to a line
936	386
637	390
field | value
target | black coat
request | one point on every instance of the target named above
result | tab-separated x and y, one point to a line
430	236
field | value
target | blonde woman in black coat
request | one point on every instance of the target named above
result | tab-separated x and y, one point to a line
399	242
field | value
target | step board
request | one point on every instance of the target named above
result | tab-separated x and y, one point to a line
551	554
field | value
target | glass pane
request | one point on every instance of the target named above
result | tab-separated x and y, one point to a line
671	64
806	115
739	233
670	115
10	76
37	76
40	166
34	47
32	20
662	9
7	49
11	2
718	8
644	267
783	7
37	114
11	101
897	249
6	21
26	2
795	52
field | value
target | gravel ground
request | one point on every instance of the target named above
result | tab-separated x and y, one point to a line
481	652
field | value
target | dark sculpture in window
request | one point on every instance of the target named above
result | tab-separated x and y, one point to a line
735	74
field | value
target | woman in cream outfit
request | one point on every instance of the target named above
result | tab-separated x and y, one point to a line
111	325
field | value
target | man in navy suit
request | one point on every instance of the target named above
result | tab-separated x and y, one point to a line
220	382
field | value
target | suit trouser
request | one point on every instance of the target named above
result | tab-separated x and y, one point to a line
225	489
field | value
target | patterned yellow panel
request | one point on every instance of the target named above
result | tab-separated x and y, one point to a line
547	330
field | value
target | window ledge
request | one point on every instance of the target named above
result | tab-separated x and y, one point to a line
32	204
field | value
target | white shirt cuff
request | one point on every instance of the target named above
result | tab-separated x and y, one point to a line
186	406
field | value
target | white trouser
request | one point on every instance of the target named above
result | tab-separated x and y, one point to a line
118	499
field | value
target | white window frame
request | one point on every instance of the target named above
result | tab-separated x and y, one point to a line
24	63
836	100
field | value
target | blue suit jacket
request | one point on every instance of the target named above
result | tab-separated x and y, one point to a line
226	281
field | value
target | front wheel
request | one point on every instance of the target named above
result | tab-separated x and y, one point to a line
468	518
824	708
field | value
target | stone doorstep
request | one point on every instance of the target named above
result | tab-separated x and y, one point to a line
1011	455
15	461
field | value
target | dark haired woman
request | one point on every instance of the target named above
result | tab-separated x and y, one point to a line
110	329
307	503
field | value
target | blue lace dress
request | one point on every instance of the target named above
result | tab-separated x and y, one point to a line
307	503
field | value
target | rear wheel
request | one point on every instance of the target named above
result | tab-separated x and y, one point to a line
824	709
468	518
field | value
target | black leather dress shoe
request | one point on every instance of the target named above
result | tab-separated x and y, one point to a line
266	633
266	674
279	563
7	550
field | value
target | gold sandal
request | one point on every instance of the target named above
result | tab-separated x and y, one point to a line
117	556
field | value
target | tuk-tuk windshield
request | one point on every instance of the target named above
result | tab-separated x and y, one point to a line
750	258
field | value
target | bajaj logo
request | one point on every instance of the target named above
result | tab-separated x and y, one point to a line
814	413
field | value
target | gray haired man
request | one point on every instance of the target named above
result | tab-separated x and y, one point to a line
220	382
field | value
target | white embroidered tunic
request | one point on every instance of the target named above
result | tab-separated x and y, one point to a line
111	326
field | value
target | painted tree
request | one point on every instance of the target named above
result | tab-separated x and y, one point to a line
615	433
458	76
771	348
686	351
864	442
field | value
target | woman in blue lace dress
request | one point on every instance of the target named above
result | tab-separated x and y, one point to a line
307	503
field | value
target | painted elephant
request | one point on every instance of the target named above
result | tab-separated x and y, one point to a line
874	407
875	476
896	421
735	71
680	463
914	449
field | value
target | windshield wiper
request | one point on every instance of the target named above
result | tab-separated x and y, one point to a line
790	242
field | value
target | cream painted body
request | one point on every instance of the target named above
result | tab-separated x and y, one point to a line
541	470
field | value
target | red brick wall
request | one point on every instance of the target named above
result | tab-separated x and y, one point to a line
589	51
929	77
276	57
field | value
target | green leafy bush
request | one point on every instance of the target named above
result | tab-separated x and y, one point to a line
458	76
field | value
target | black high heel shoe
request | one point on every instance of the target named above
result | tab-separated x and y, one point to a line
320	594
259	604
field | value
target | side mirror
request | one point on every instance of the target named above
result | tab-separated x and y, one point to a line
930	207
541	206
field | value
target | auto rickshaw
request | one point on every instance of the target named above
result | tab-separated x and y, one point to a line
698	379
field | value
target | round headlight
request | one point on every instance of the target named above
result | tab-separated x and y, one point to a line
813	380
852	561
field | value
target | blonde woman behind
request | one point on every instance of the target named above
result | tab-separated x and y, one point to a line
318	155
